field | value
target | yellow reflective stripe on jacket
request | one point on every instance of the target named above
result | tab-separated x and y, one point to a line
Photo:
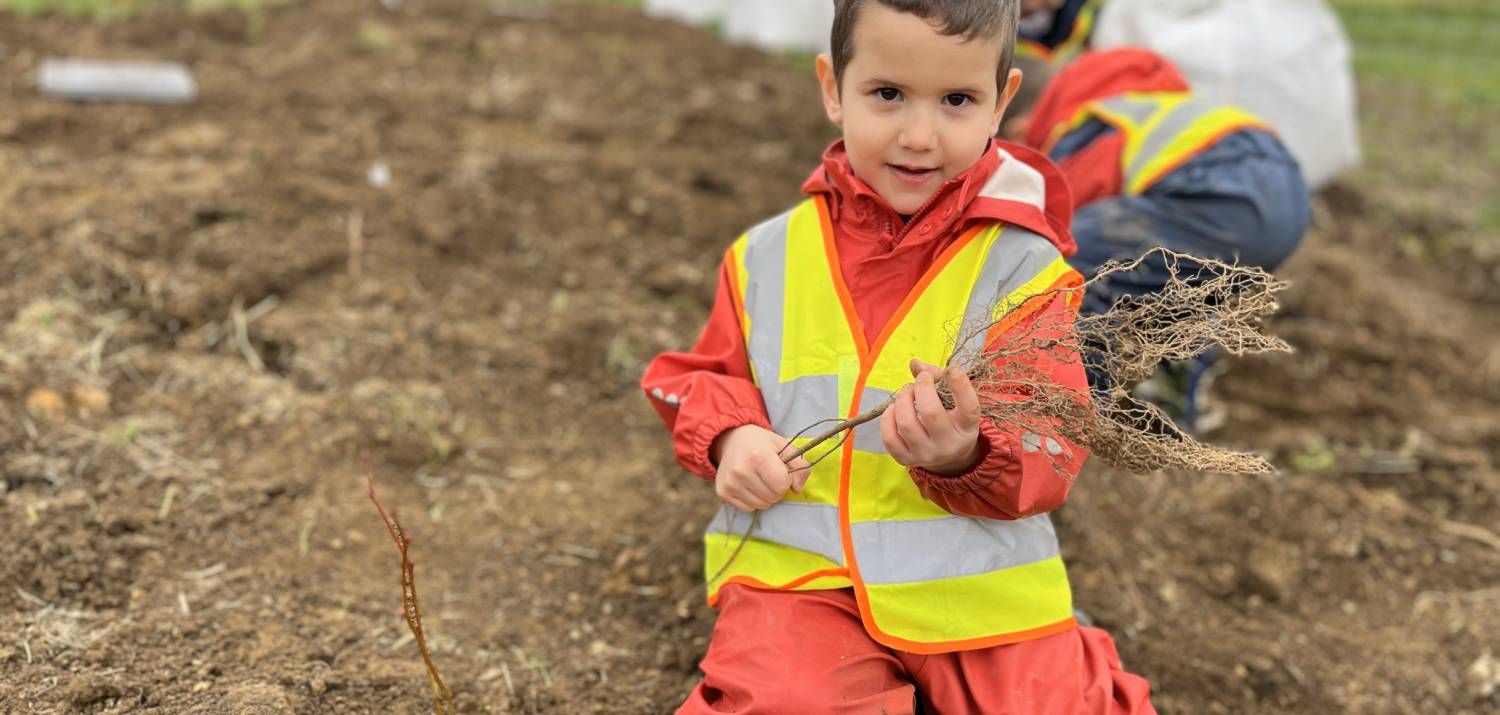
1179	145
1162	130
1083	29
861	520
1065	51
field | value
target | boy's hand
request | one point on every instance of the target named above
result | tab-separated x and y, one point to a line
919	432
751	474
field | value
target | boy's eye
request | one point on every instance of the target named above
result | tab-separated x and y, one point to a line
889	94
957	99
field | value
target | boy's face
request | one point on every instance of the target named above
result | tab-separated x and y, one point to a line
917	107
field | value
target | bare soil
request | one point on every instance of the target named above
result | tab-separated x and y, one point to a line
192	356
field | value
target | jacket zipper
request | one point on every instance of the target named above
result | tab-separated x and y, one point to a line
889	224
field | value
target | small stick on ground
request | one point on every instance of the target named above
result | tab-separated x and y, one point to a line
442	696
242	335
356	246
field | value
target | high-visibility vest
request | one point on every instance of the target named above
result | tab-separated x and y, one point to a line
927	581
1162	131
1076	42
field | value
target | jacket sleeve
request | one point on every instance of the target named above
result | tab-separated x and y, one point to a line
1019	474
704	392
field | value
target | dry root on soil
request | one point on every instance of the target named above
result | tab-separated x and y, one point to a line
442	696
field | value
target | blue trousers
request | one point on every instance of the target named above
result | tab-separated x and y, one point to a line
1242	201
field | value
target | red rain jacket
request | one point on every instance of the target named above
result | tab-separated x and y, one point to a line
882	256
1094	171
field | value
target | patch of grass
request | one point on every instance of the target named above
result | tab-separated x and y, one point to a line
1429	77
1445	48
105	10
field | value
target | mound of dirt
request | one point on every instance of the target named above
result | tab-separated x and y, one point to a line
453	234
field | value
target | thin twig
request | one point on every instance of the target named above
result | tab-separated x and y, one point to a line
242	335
442	696
356	246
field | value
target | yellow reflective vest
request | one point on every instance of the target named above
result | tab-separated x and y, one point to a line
927	581
1162	131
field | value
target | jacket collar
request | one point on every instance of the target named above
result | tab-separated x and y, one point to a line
1009	183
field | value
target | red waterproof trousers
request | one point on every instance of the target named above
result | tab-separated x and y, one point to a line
806	652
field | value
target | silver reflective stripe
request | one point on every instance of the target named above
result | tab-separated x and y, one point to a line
795	405
1177	121
1016	257
867	435
765	295
1138	111
813	528
922	550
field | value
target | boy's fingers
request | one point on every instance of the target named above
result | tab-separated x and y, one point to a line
965	398
918	367
756	490
894	445
734	498
904	412
777	480
785	450
929	407
801	471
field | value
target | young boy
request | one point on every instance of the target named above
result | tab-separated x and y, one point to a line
915	566
1152	165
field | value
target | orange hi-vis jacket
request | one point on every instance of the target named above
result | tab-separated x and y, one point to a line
937	564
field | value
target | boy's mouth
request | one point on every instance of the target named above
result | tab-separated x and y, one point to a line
914	175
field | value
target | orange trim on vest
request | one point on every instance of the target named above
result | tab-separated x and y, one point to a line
845	298
753	582
847	458
1031	306
902	644
733	276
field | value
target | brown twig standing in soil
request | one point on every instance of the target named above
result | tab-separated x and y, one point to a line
442	696
356	247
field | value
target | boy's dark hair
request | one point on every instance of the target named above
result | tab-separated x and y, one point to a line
969	19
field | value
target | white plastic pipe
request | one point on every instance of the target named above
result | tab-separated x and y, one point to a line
106	81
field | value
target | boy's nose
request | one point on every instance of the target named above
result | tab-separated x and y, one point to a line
918	133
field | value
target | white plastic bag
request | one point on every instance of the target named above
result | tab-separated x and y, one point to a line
802	25
698	12
1285	60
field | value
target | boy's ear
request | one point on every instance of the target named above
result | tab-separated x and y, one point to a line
830	86
1007	93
